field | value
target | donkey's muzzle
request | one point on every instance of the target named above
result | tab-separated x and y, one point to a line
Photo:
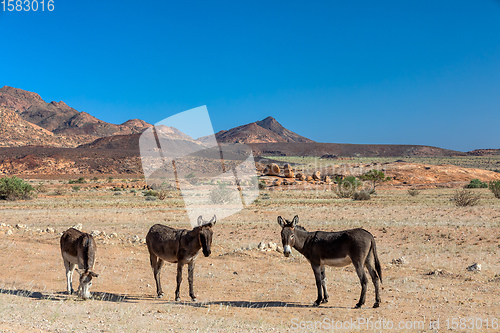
287	250
207	253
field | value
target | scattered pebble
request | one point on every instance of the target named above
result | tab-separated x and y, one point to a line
474	267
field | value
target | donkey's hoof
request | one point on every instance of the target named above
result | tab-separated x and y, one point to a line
317	303
376	305
358	306
160	295
193	299
325	300
177	299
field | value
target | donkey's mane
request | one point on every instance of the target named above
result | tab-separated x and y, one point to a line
300	227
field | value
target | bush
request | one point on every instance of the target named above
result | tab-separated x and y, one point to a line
150	193
76	188
80	180
494	187
15	188
361	195
476	183
221	194
464	197
191	175
413	192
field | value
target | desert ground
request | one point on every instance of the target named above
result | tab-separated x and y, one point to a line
425	243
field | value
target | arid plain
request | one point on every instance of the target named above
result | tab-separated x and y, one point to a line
425	243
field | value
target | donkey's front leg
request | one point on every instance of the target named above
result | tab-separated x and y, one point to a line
323	283
190	279
317	275
179	280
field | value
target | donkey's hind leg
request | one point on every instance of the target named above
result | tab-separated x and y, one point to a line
156	265
69	276
360	270
370	265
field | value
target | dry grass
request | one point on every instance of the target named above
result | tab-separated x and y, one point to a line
240	288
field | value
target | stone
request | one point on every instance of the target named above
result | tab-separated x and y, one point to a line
400	261
95	233
78	226
135	239
316	175
113	235
20	226
262	246
278	182
288	171
50	230
300	176
474	267
9	232
327	179
309	179
272	246
272	169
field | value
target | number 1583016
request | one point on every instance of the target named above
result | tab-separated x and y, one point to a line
27	5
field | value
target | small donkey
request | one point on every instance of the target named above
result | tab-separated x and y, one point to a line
356	246
179	246
79	248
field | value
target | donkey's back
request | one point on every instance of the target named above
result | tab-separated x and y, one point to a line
163	241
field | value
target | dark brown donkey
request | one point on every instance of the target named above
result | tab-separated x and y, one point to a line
78	248
356	246
179	246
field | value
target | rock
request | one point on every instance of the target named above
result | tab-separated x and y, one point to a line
288	171
118	193
474	267
277	182
135	239
327	179
316	175
113	235
309	179
272	246
95	233
262	246
20	226
9	232
272	169
3	225
400	261
78	226
300	176
151	198
50	230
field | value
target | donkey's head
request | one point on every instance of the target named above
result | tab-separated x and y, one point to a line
86	283
206	233
288	233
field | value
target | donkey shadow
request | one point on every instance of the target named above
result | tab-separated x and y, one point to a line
251	305
63	296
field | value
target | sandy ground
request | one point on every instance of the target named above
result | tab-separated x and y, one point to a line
241	288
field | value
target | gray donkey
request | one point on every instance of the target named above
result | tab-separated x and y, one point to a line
79	248
179	246
338	249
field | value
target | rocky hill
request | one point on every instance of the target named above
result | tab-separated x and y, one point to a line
264	131
72	126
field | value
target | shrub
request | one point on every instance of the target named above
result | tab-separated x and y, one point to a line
262	185
15	188
191	175
59	191
220	194
361	195
162	195
150	193
413	191
76	188
374	176
345	190
110	179
494	187
41	188
464	197
80	180
476	183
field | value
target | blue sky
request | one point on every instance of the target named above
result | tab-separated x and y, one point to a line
400	72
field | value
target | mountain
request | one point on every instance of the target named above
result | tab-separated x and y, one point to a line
17	132
62	120
268	130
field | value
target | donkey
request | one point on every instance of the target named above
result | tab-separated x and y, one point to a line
338	249
179	246
79	248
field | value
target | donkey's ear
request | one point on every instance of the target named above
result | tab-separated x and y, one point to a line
93	274
281	222
295	220
213	220
78	271
200	221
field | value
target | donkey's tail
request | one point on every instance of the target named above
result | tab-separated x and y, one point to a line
377	262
